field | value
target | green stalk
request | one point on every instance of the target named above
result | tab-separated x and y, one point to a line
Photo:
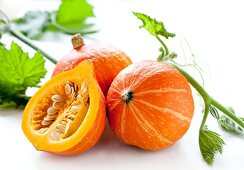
4	18
27	41
192	81
207	99
206	112
227	112
164	45
72	32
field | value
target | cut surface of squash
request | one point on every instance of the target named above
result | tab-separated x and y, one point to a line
67	114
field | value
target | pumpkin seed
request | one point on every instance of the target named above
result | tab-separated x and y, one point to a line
72	91
54	136
61	127
58	130
52	114
63	122
67	128
84	88
79	97
46	118
58	105
75	107
43	130
51	110
52	117
76	87
67	89
46	123
70	83
57	98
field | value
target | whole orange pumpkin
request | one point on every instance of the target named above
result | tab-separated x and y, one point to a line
150	105
108	61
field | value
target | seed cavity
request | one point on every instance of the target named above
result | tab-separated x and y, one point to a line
71	88
52	111
74	114
71	103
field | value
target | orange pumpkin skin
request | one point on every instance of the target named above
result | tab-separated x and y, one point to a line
150	105
108	62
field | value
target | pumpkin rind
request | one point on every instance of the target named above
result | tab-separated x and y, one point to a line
88	132
160	109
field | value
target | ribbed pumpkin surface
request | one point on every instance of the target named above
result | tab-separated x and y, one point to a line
150	105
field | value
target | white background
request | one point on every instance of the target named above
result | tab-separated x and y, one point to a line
214	30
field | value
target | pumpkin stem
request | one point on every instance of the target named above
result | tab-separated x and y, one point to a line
77	41
127	96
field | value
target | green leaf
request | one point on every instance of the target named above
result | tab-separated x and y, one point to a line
71	29
1	44
210	143
156	29
33	24
18	72
153	26
73	14
70	18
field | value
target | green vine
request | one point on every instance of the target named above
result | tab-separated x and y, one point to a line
7	27
209	141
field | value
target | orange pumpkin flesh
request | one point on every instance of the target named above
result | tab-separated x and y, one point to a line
108	61
150	105
67	115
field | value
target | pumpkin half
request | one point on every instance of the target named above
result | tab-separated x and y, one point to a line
67	115
108	61
150	105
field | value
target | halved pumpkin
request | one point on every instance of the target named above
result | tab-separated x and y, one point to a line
67	115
